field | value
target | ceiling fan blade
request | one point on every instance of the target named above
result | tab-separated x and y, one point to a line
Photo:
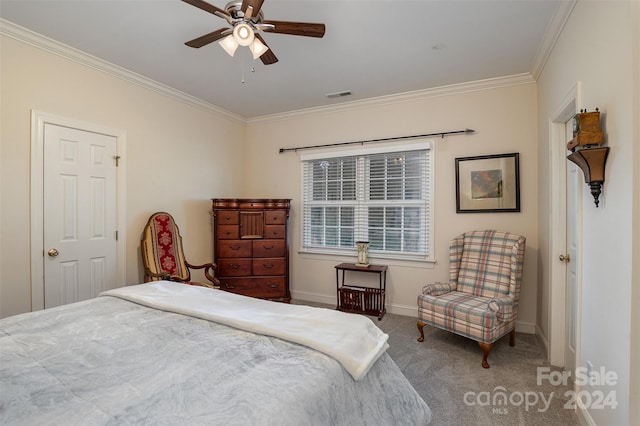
201	4
255	7
208	38
306	29
267	57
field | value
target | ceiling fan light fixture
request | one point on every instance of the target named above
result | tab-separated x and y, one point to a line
243	33
229	44
245	18
257	48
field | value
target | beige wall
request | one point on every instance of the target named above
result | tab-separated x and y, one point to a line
213	155
505	121
634	355
178	156
597	48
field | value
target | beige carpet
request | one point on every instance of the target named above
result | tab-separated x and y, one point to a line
445	370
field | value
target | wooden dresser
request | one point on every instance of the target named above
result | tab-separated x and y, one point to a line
251	248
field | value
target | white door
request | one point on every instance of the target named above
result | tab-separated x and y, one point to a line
79	214
571	298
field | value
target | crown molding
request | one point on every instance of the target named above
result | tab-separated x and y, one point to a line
417	95
552	34
554	29
49	45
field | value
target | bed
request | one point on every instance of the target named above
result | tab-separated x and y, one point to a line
168	353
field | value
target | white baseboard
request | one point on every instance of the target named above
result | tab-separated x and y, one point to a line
313	297
543	340
584	418
525	327
407	311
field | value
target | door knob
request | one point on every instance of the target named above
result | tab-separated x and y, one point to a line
53	252
564	258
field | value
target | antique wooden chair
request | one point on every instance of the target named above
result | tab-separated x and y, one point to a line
163	257
480	301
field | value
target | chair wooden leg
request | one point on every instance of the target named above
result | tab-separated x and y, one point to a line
512	337
420	326
486	349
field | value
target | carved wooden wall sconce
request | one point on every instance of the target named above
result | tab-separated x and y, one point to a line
586	152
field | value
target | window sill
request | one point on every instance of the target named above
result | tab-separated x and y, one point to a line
351	256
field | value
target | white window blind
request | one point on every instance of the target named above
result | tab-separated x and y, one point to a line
380	197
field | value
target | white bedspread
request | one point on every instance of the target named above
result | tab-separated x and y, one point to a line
110	361
353	340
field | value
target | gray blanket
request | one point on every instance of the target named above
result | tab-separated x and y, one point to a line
107	361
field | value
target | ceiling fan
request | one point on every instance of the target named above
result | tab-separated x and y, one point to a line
246	18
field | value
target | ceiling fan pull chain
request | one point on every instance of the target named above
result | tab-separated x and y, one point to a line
243	59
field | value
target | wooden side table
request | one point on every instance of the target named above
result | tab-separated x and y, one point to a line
362	300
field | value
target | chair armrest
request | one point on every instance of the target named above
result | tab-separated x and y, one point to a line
503	306
161	275
208	272
437	289
207	285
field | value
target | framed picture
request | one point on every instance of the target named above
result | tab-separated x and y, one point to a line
488	183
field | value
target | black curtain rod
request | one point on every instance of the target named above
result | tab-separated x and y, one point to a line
442	134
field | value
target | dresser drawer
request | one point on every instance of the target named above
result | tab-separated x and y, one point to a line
234	267
275	217
275	231
268	248
268	266
234	248
263	287
228	232
228	217
251	204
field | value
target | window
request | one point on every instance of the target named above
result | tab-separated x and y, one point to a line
378	195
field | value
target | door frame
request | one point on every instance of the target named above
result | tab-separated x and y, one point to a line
38	121
567	108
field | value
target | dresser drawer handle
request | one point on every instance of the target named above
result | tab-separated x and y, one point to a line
269	266
234	247
234	265
268	248
272	285
229	286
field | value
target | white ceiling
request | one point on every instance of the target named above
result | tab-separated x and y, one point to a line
371	48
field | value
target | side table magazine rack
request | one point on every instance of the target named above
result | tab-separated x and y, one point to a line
359	299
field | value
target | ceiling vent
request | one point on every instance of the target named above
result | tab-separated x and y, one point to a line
339	94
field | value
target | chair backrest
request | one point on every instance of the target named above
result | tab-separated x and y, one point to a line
487	263
161	246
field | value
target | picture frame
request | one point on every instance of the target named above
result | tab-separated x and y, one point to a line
488	183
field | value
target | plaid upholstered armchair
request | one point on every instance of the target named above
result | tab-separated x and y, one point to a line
480	301
162	254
